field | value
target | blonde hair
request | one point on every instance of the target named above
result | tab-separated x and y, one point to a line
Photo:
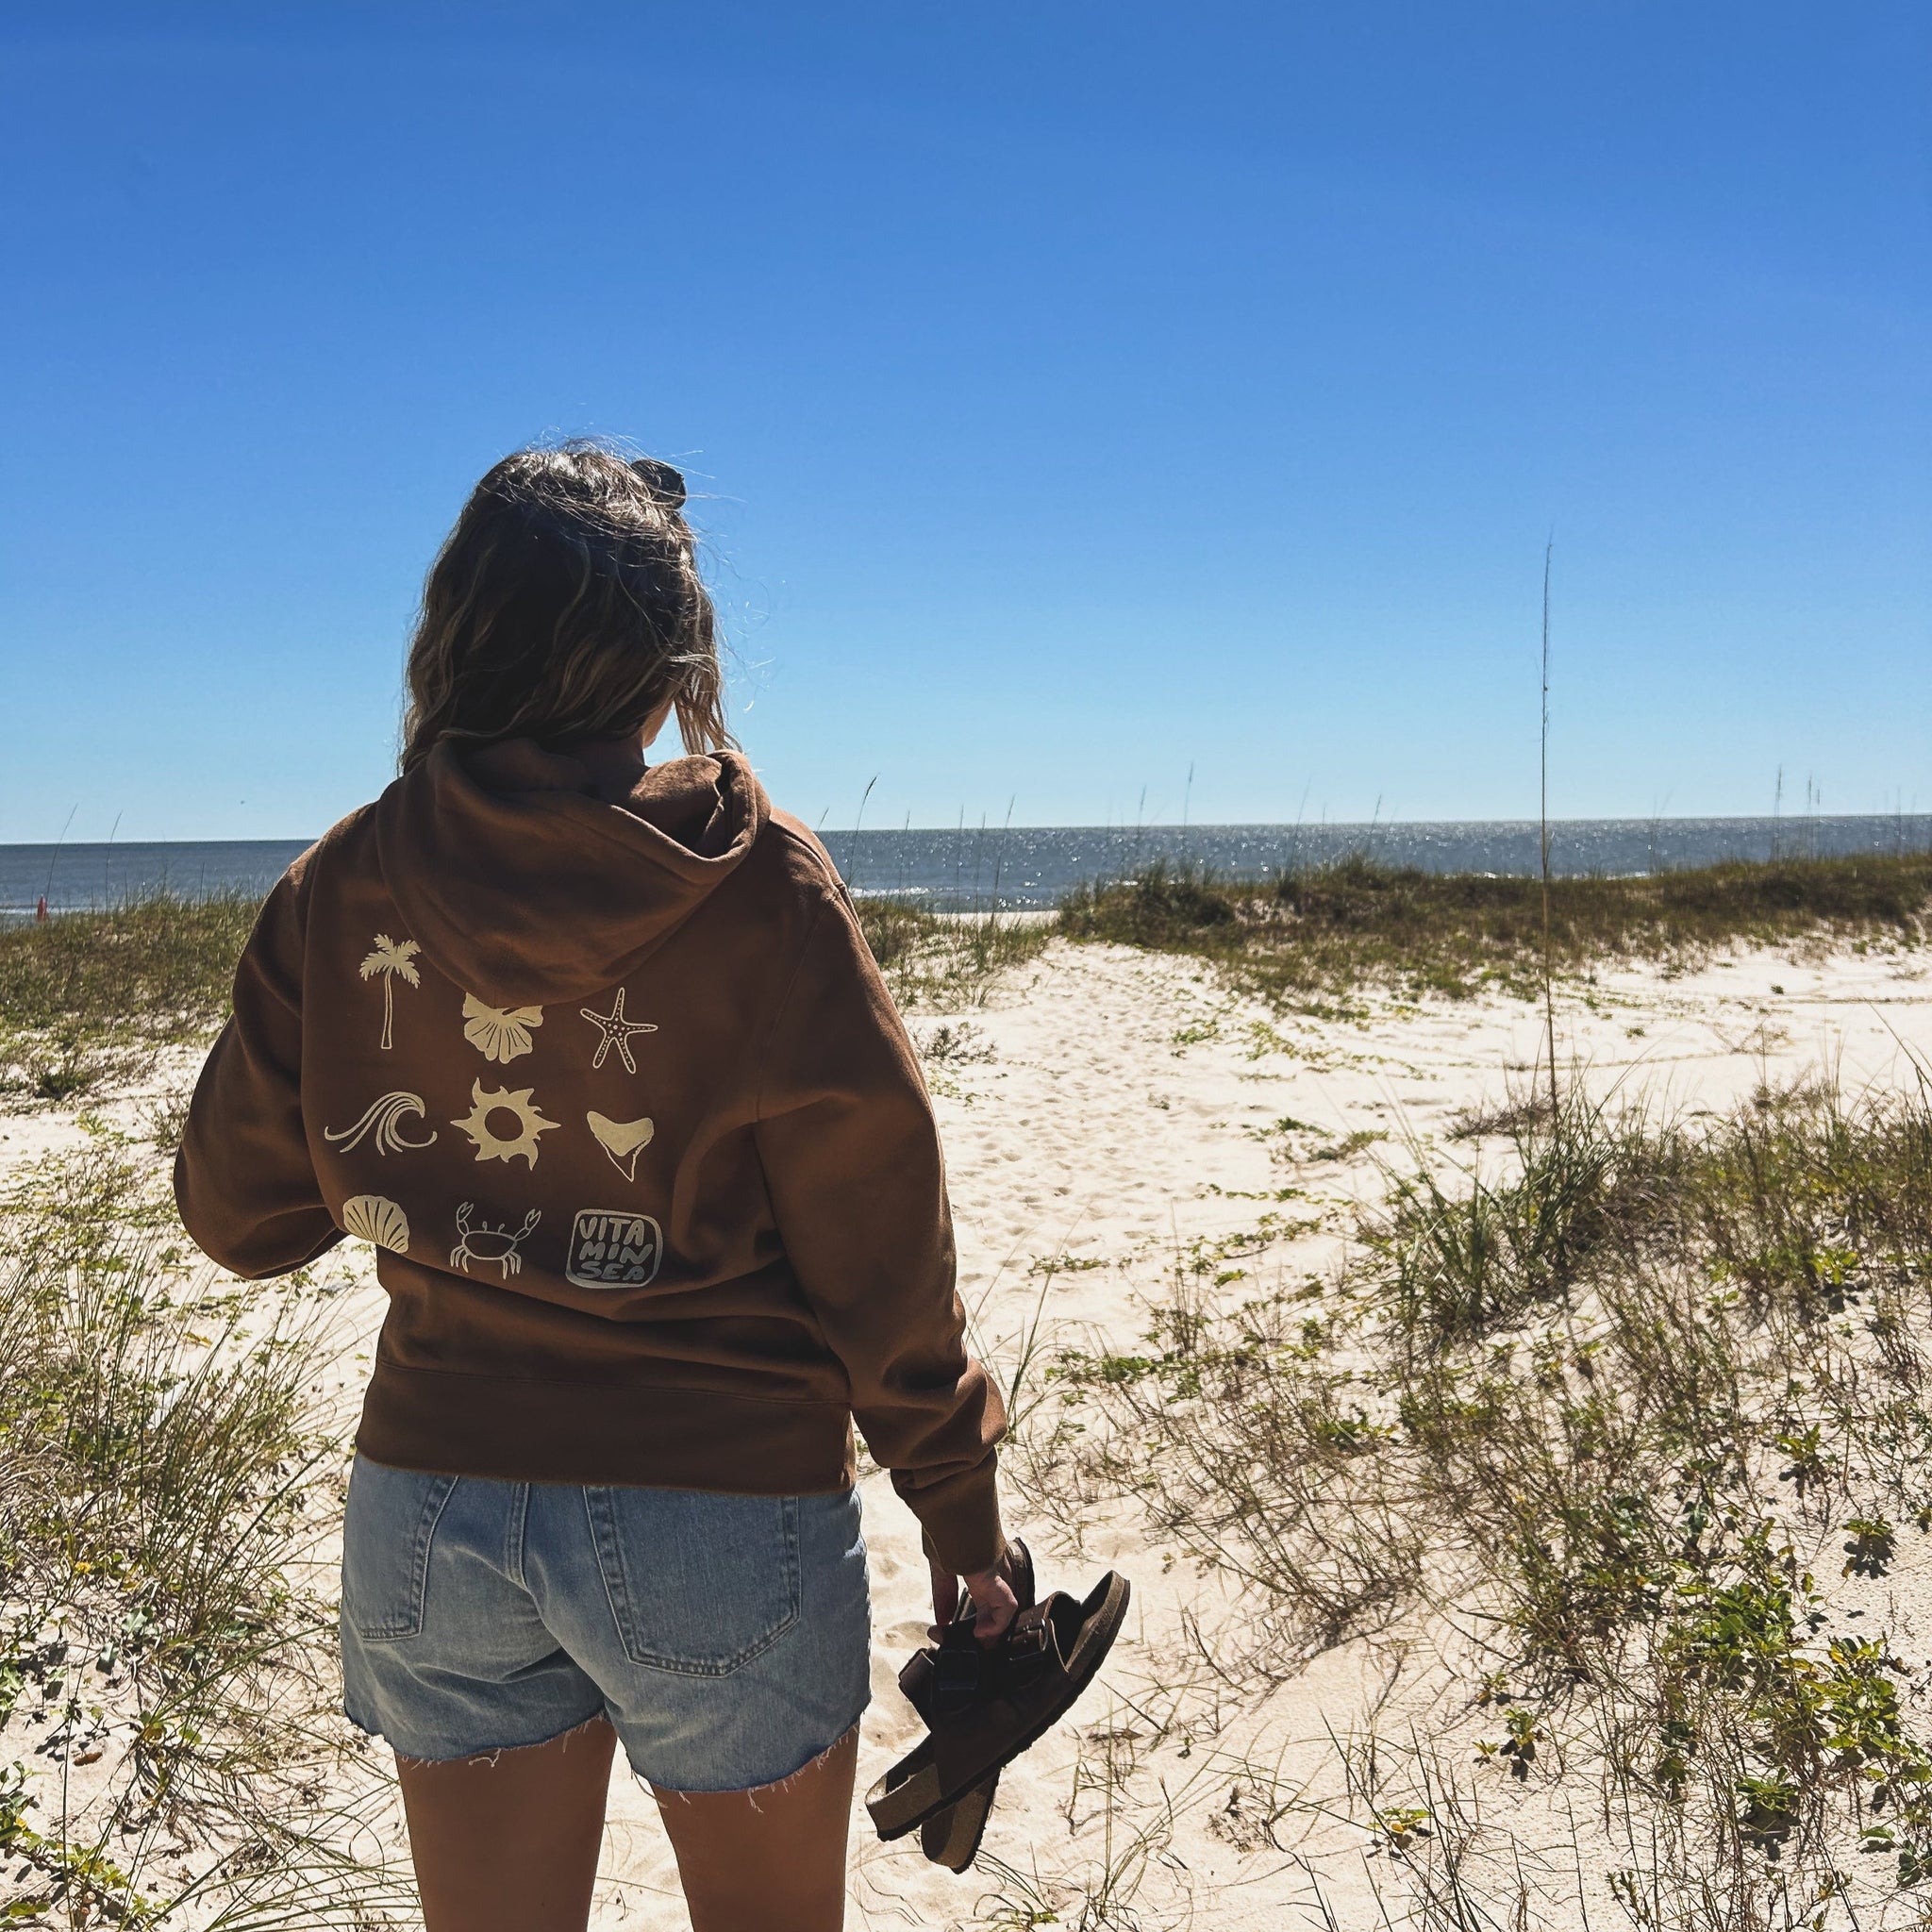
565	604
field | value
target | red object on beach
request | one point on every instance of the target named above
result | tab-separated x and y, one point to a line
40	910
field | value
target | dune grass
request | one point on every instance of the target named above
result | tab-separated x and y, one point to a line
1631	1408
87	997
1307	937
161	1483
937	959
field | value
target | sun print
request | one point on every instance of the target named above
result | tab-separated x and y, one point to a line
504	1123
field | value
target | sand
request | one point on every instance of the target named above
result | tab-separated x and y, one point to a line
1102	1110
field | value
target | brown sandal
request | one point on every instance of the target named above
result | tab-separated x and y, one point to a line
989	1702
952	1837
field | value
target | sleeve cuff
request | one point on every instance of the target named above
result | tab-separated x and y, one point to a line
960	1517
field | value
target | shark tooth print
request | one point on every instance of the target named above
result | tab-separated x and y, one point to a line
613	1030
499	1033
383	1121
393	959
622	1140
504	1123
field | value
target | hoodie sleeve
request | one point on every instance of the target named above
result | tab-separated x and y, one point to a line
852	1159
243	1179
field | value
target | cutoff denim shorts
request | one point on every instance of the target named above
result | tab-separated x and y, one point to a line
727	1639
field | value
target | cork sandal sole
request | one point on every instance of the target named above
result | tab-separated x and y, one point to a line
951	1836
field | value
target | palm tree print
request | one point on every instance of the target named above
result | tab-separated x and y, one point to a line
391	957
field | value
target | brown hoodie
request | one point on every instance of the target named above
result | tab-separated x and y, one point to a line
621	1099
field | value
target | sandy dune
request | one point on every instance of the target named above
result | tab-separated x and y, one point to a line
1103	1110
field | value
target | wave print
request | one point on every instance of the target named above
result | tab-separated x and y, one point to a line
382	1120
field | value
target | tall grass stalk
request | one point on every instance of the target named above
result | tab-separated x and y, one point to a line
1543	845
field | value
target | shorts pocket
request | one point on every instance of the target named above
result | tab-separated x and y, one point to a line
387	1532
698	1582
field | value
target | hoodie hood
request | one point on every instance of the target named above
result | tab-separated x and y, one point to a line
524	887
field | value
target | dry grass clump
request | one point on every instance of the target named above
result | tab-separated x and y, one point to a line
87	997
941	960
1638	1411
1319	930
160	1477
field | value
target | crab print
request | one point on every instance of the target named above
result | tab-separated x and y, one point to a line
491	1246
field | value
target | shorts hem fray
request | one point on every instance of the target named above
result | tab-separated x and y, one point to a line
669	1793
481	1754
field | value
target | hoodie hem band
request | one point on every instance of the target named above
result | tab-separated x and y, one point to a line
650	1437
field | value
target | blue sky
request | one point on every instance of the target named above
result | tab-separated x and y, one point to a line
1081	393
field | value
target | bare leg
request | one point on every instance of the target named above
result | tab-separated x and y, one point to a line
768	1860
510	1844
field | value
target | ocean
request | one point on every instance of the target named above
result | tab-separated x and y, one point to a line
1018	867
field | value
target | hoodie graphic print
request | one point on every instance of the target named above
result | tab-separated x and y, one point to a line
619	1099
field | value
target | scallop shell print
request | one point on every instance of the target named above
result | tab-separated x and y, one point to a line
499	1033
376	1219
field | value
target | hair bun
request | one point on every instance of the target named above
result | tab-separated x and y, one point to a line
664	482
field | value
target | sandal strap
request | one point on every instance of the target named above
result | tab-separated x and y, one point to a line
946	1679
959	1670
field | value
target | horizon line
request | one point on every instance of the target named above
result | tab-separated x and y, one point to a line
987	828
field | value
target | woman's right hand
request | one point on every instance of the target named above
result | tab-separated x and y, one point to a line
995	1603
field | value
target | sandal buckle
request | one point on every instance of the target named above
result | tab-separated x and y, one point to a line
1030	1642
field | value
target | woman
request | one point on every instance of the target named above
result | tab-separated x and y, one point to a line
594	1052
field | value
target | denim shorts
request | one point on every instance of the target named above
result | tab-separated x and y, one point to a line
727	1639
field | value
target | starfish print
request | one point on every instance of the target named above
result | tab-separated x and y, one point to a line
617	1031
